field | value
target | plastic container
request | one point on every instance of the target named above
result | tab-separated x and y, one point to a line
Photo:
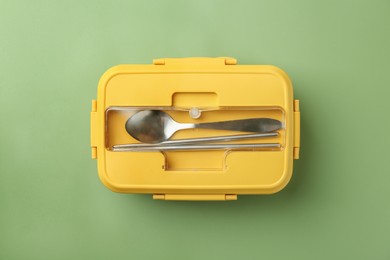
195	90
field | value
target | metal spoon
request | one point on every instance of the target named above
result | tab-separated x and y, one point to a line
155	126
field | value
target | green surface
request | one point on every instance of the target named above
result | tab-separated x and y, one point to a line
52	203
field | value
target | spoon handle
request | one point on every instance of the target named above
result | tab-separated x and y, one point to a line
255	125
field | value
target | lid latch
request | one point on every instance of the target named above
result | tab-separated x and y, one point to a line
297	129
199	197
210	61
94	129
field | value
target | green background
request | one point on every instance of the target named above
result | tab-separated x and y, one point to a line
53	205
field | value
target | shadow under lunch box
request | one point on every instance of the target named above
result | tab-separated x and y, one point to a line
193	91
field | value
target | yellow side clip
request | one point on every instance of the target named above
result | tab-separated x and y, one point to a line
94	129
297	129
210	61
200	197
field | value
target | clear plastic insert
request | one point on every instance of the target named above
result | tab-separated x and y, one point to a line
116	134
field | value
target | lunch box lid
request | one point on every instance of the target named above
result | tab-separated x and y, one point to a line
183	82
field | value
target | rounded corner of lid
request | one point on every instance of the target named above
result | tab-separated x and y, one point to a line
108	182
282	182
109	74
280	73
285	79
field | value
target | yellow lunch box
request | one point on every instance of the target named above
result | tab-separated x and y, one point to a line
194	91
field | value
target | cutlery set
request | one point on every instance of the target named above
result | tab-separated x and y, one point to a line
154	129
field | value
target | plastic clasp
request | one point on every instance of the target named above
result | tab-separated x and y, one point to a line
297	129
210	61
199	197
94	129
